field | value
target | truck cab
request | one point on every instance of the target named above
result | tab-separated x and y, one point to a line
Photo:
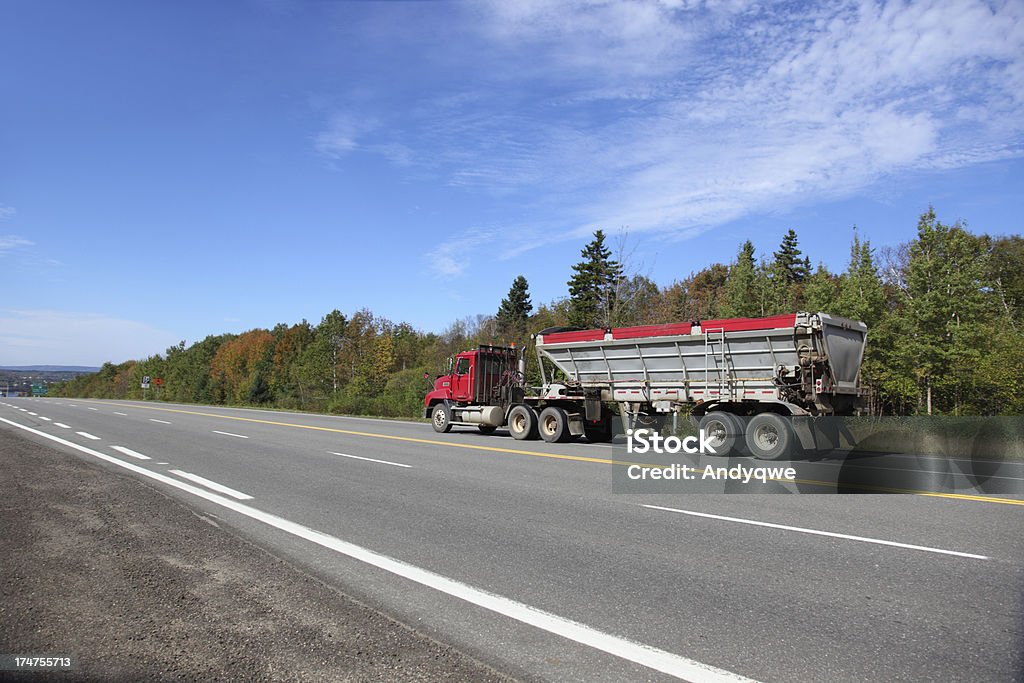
478	388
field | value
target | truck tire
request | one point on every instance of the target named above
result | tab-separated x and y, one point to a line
441	418
486	429
724	430
522	422
554	425
769	437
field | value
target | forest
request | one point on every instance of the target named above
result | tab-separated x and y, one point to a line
945	316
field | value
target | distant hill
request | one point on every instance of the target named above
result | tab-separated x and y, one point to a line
49	368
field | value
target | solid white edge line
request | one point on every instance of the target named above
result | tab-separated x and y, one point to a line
88	436
645	655
817	532
220	488
359	457
130	452
240	436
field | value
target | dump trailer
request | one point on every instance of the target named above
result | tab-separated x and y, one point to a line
739	378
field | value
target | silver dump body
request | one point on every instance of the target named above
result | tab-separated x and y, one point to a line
800	358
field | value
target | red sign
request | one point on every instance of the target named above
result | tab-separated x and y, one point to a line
158	381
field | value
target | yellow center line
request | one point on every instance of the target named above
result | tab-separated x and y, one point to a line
556	456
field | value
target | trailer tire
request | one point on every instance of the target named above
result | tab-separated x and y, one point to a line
770	437
522	422
554	425
441	418
486	429
725	431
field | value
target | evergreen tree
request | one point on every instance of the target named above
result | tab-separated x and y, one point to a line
787	262
515	310
861	296
592	288
741	300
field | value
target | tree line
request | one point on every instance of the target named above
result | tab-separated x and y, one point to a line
945	316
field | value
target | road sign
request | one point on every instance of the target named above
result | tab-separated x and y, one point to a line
146	380
158	381
145	385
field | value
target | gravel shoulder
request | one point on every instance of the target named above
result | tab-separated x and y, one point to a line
136	586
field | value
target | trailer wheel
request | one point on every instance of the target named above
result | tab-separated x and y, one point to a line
486	429
441	418
522	422
724	431
554	425
769	437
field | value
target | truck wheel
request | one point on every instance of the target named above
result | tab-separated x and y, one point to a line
724	431
769	437
554	425
522	422
441	418
486	429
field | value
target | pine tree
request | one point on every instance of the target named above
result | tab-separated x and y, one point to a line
787	261
515	310
741	300
861	296
593	285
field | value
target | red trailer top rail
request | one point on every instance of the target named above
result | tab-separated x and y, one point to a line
672	329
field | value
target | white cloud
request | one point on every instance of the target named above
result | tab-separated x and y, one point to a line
341	135
12	242
446	262
44	337
6	211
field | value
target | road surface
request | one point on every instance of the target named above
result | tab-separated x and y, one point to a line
521	556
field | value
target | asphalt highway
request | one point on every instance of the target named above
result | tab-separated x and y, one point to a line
520	554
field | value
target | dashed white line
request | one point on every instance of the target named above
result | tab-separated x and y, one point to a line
121	414
359	457
93	408
163	422
644	655
817	532
62	425
220	488
88	436
33	414
130	452
41	417
238	436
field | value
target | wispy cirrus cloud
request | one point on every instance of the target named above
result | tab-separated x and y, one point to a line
9	243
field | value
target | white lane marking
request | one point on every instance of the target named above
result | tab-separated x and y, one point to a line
130	452
93	408
121	414
817	532
220	488
359	457
88	436
645	655
73	405
62	425
163	422
45	418
240	436
33	414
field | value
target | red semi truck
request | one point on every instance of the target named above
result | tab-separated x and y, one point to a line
739	377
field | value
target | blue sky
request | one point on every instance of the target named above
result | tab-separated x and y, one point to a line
173	170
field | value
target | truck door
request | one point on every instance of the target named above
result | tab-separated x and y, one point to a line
462	380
